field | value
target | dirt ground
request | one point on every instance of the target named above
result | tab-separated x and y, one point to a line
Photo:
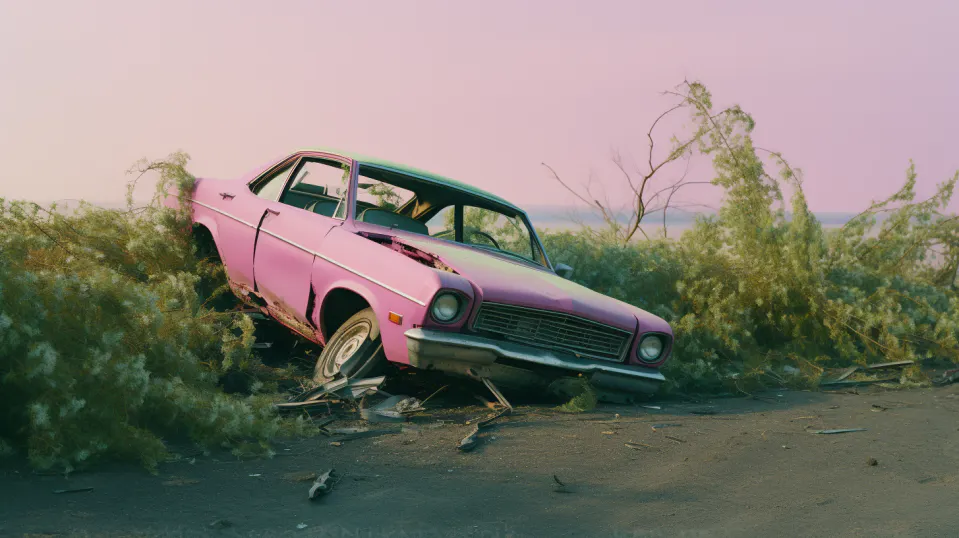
747	467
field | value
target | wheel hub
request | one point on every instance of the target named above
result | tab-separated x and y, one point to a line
345	348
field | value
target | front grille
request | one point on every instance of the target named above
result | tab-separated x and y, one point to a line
553	330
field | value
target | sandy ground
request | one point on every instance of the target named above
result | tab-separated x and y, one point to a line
753	468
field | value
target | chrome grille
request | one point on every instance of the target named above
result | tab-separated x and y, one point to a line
553	330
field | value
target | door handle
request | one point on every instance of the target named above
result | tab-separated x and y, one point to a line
227	195
271	210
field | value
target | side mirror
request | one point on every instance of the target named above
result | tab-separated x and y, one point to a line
563	270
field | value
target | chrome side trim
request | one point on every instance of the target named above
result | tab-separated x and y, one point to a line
224	213
341	266
317	254
529	354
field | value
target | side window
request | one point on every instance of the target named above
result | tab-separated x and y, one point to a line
371	193
441	224
319	186
270	187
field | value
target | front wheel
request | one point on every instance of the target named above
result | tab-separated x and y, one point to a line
354	351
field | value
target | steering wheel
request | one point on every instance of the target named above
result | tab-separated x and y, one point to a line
488	236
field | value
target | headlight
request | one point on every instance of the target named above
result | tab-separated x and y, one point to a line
446	307
650	347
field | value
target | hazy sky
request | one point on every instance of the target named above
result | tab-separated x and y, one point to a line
481	91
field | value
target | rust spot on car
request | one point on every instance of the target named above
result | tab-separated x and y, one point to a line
421	256
303	329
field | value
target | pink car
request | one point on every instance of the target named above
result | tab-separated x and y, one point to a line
380	262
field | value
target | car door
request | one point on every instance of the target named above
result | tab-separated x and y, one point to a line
291	232
241	208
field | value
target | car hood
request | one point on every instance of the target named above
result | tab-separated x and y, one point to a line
501	280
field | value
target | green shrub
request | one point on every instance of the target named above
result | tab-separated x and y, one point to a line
753	295
105	345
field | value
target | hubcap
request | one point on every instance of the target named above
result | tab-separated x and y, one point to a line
345	348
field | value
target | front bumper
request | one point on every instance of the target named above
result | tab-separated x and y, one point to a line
476	355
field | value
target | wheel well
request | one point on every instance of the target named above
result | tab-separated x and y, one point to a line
339	305
205	244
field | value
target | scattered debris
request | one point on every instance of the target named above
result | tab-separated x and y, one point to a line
947	377
221	524
872	462
499	395
559	486
848	372
324	484
301	526
667	425
926	480
889	365
846	430
472	440
671	438
703	412
638	446
656	407
609	433
341	388
363	435
336	443
877	407
74	490
263	345
840	384
392	409
255	475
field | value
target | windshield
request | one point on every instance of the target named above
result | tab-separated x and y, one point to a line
488	229
399	201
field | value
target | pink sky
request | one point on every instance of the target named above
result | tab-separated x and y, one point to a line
484	92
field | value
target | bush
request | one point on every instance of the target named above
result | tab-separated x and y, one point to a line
105	344
752	290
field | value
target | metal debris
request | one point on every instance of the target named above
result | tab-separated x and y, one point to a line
499	395
638	446
949	376
324	484
392	409
472	440
889	364
849	371
846	430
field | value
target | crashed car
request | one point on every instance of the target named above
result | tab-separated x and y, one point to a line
376	262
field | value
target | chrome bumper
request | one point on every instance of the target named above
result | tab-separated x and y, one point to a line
460	353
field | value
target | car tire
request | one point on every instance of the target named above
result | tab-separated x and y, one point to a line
354	351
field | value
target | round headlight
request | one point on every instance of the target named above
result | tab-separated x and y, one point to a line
650	348
445	307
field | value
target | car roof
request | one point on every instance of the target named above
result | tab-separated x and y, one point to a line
416	172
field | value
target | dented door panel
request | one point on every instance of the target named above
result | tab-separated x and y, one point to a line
283	261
